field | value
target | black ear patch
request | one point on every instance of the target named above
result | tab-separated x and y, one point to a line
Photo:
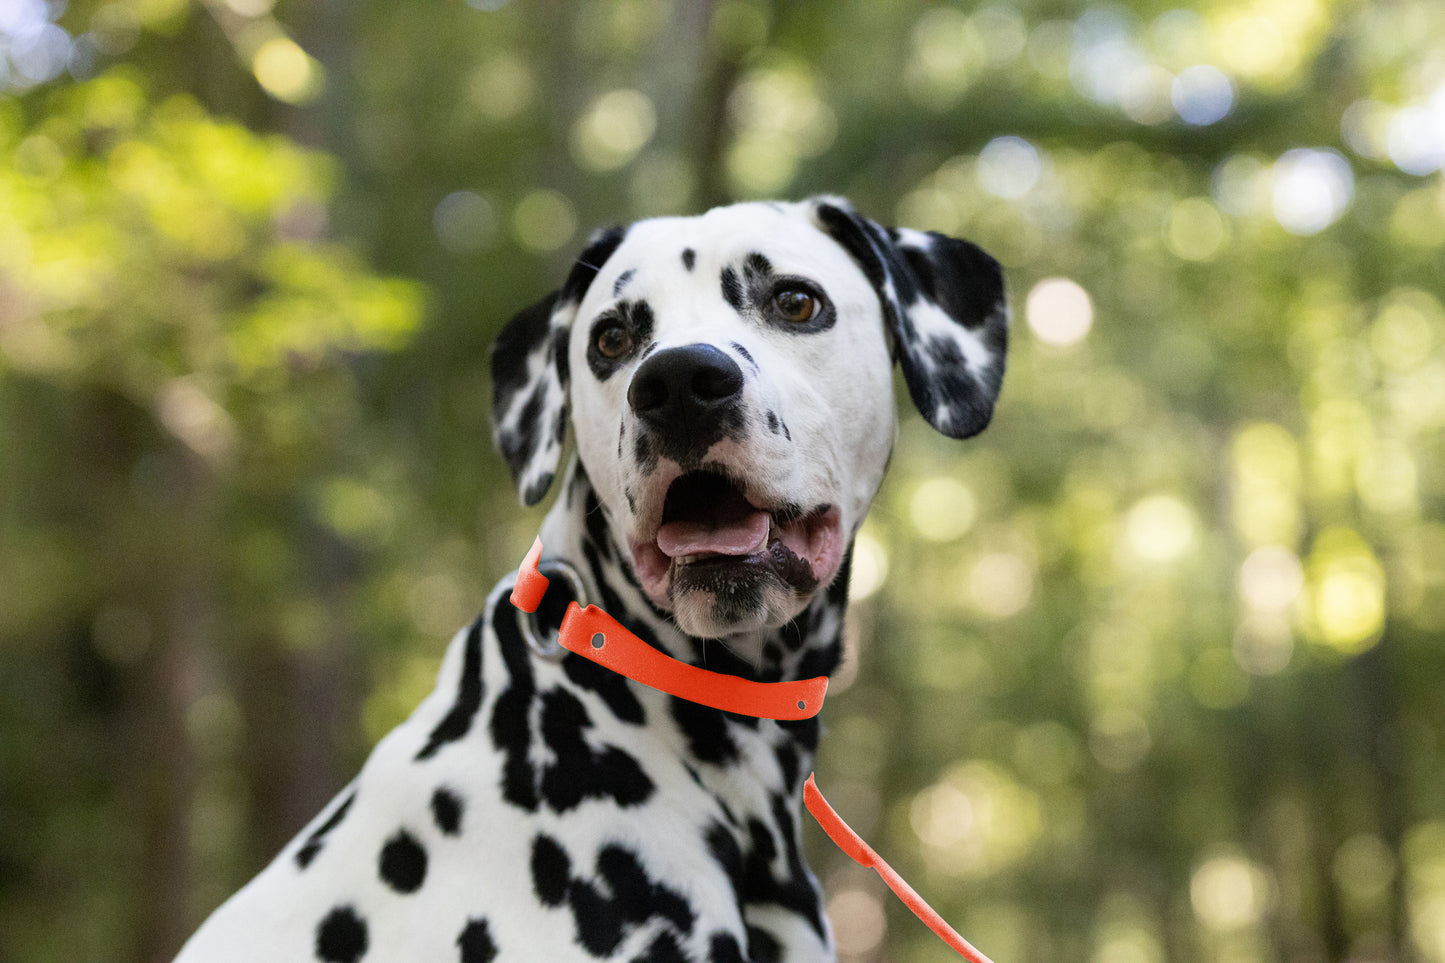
944	304
530	375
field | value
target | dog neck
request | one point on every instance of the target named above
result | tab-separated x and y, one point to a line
577	530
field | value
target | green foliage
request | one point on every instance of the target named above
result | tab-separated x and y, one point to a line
1149	671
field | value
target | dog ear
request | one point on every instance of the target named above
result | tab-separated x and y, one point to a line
530	404
944	305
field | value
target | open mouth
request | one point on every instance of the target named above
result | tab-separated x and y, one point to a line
709	530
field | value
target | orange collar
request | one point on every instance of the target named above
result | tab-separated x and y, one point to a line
595	635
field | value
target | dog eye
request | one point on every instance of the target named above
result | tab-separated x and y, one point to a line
797	304
613	341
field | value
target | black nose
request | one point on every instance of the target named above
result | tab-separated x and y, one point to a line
684	392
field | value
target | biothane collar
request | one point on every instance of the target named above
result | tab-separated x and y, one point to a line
597	636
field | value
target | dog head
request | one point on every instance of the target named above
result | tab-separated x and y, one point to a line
729	380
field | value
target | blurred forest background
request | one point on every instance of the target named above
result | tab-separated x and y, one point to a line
1152	670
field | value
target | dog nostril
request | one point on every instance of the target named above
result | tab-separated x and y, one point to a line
646	394
716	383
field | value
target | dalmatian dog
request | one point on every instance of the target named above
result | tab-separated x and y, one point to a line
728	380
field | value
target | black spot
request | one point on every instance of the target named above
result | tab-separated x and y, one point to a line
622	897
725	851
757	264
559	427
595	526
581	772
599	925
622	280
820	660
706	730
795	891
773	423
663	949
732	289
341	936
744	352
458	720
446	809
317	839
725	949
525	333
763	947
559	354
788	762
837	594
538	488
511	728
804	731
689	258
476	943
613	687
644	452
520	443
551	870
403	862
635	896
642	320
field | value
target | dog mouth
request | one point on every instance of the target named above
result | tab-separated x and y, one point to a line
710	533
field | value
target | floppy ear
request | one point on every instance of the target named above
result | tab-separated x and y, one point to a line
943	301
530	378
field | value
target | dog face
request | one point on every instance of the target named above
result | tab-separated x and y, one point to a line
729	380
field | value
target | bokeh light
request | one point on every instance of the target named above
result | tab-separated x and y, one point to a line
976	820
942	509
464	222
544	220
1230	892
870	566
614	129
287	72
1346	587
1059	311
1311	189
1202	95
858	921
1160	528
1271	578
1000	584
1009	167
1196	231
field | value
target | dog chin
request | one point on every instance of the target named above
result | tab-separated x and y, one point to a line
734	606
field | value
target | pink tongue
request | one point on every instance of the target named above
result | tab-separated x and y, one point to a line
741	537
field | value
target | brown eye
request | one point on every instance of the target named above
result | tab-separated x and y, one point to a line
613	341
796	304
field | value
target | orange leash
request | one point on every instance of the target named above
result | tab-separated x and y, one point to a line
593	634
852	844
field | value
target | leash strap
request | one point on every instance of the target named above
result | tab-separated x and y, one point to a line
595	635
